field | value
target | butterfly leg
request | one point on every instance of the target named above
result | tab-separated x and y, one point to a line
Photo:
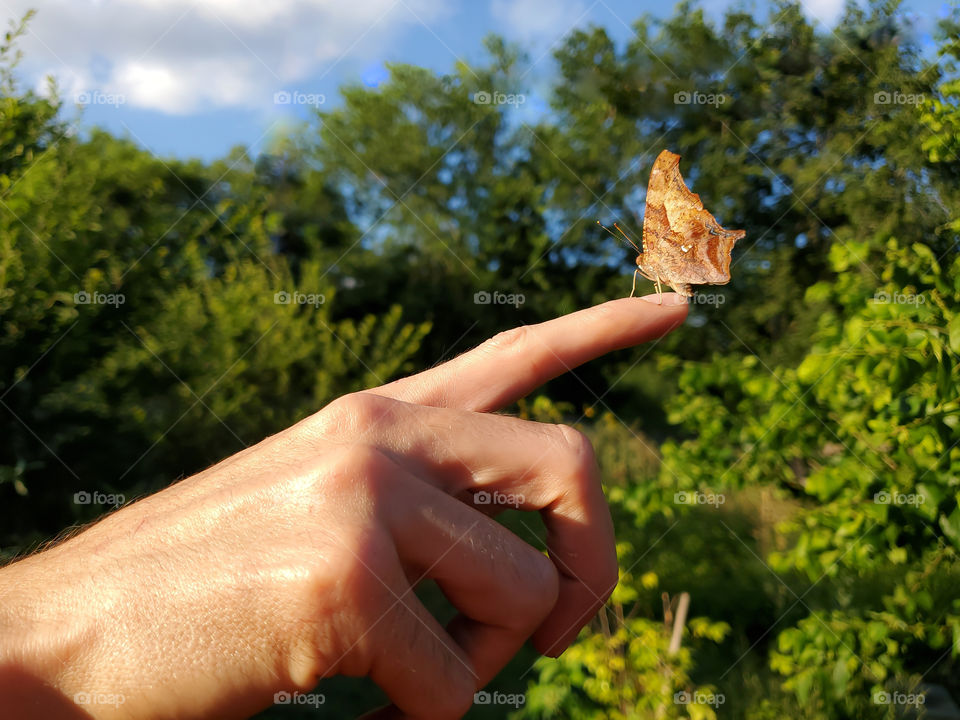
659	292
634	288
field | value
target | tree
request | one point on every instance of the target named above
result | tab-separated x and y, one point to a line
150	327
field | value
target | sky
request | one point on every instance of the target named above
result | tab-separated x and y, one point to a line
193	78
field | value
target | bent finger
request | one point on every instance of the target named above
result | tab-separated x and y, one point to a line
502	587
493	462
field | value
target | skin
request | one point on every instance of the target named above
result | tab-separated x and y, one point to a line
295	559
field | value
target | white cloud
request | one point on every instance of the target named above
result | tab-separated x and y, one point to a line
183	56
826	11
539	20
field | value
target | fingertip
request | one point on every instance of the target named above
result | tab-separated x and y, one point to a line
550	644
669	299
552	649
577	606
647	311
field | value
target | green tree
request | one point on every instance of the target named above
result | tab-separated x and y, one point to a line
142	338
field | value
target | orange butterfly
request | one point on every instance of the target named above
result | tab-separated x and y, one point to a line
683	244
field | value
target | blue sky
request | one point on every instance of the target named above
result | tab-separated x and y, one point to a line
196	77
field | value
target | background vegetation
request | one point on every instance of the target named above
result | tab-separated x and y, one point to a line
811	407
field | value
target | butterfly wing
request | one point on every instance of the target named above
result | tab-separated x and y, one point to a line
682	242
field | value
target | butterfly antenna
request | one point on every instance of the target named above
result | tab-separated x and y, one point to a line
622	233
607	229
625	237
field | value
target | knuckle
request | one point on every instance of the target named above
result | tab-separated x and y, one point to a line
351	414
580	449
512	340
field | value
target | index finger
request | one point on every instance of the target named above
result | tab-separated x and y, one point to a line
514	363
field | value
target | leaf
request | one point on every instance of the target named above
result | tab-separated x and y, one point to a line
840	677
954	330
951	526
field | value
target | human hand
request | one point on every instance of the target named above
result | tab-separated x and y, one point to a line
295	559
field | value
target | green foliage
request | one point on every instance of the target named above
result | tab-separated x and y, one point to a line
855	430
839	664
864	429
141	337
625	669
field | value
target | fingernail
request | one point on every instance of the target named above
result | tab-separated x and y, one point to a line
665	299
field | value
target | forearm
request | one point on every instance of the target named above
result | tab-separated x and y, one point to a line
44	633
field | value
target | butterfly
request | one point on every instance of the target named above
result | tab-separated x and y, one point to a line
683	244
